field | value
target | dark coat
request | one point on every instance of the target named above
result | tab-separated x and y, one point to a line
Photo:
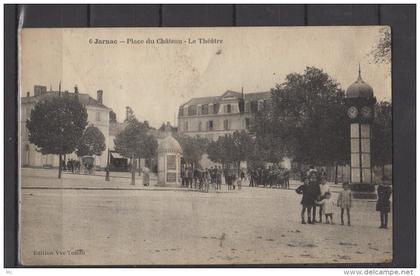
384	194
307	195
314	190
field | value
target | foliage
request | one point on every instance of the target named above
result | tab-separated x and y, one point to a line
231	149
91	143
306	120
135	141
129	114
112	117
56	125
382	51
382	134
193	147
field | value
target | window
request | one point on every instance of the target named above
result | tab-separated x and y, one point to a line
185	126
260	105
210	125
225	124
192	110
228	108
247	107
247	123
205	109
216	108
98	116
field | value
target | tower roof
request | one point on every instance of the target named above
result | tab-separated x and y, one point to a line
359	89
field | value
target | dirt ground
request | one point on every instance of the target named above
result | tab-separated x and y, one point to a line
149	227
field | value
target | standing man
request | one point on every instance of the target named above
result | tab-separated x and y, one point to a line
190	175
218	178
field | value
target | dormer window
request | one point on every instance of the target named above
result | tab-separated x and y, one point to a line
192	110
205	109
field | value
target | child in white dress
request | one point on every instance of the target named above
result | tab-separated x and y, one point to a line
327	207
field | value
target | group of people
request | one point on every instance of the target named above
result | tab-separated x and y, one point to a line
72	166
194	177
316	194
272	176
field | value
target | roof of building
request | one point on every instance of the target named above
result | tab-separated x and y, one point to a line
85	99
359	89
229	93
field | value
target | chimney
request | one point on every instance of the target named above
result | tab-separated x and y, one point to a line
99	94
39	90
28	94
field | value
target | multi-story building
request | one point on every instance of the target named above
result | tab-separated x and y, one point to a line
98	115
211	117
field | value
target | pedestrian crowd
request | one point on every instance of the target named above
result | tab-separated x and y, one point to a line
72	166
195	177
272	176
316	194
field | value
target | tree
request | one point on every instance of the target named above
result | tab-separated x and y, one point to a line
231	149
242	147
129	114
382	51
135	142
382	135
56	125
112	117
306	120
193	148
92	142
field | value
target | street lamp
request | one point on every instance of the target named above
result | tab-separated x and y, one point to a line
107	167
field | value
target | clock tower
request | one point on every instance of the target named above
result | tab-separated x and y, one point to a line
360	110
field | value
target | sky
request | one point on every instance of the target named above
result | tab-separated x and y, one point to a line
155	79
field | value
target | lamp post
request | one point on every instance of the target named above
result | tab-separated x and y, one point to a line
107	167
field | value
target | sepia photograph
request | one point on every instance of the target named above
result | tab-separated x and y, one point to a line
205	146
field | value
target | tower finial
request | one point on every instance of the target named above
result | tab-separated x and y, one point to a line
360	73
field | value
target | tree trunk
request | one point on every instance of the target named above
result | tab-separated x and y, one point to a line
336	174
383	170
139	168
59	166
133	171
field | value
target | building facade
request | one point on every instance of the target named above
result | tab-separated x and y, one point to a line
212	117
98	115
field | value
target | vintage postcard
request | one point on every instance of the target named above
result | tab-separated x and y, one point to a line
205	146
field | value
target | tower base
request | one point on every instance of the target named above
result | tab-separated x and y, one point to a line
363	190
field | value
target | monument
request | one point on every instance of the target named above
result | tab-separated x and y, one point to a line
169	161
360	103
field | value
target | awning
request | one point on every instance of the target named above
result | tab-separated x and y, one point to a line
116	155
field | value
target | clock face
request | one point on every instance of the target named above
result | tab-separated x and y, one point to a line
366	112
352	112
